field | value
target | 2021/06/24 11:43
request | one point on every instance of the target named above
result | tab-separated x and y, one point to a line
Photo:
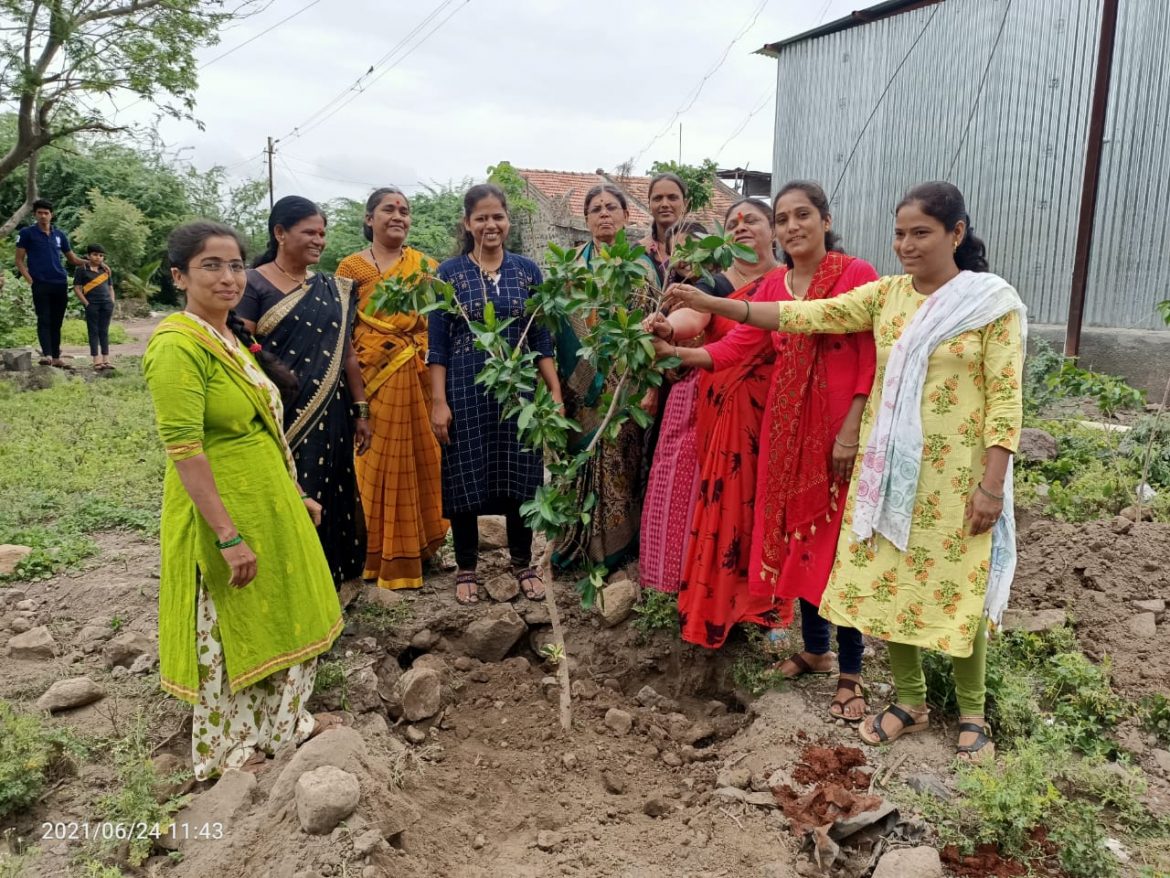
80	830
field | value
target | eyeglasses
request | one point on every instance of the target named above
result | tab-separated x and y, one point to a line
612	208
216	266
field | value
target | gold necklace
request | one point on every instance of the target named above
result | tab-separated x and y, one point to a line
297	281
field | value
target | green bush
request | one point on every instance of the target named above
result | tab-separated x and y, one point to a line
29	751
1049	378
1092	476
656	611
133	801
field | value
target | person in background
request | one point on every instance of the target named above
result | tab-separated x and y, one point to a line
246	602
486	469
614	473
306	319
928	550
400	477
94	287
39	249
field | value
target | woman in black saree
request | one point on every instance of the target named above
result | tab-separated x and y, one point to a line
306	320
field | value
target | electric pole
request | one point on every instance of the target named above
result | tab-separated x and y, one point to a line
271	144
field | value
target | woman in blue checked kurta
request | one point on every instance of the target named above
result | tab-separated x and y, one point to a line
486	470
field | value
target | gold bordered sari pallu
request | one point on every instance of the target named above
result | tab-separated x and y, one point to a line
309	330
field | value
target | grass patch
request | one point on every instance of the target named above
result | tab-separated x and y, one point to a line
134	801
30	753
656	611
1053	796
77	458
381	619
331	676
73	332
753	671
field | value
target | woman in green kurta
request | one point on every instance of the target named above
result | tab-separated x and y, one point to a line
928	548
246	599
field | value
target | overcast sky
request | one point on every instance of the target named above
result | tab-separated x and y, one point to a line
558	84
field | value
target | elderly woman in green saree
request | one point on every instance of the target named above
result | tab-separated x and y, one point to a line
615	472
246	602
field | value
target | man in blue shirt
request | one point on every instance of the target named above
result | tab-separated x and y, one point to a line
38	258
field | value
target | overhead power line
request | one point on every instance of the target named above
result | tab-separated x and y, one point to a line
262	33
375	71
766	98
693	96
979	91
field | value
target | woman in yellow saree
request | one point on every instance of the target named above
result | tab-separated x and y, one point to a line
399	477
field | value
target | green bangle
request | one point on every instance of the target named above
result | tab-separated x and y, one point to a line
304	496
227	544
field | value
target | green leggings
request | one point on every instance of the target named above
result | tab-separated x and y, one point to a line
970	675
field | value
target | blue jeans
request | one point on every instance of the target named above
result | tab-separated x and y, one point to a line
816	630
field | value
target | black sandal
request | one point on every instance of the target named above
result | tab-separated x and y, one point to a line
856	692
970	752
526	576
873	725
467	577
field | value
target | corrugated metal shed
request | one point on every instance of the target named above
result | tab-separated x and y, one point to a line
1016	148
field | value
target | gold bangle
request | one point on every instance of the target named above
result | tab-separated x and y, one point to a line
747	314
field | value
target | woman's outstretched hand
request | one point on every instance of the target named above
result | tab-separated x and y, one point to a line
687	296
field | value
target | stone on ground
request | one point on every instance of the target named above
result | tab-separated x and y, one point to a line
1033	621
919	862
228	800
738	777
502	588
10	556
424	640
386	598
618	721
66	694
325	796
362	690
37	643
416	735
125	648
1153	606
419	692
490	637
617	600
493	532
1144	626
1037	445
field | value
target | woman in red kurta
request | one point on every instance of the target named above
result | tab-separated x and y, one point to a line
713	592
808	438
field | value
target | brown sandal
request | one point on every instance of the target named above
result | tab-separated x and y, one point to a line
855	691
467	598
529	575
871	730
324	722
803	666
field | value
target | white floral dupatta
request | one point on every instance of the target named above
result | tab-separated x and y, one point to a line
888	482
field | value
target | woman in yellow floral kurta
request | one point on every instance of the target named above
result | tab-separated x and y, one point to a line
932	592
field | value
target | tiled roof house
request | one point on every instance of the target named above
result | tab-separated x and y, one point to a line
560	200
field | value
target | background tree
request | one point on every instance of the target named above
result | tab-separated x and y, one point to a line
58	56
521	208
700	179
119	226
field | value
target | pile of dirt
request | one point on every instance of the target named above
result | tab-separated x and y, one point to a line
1112	580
